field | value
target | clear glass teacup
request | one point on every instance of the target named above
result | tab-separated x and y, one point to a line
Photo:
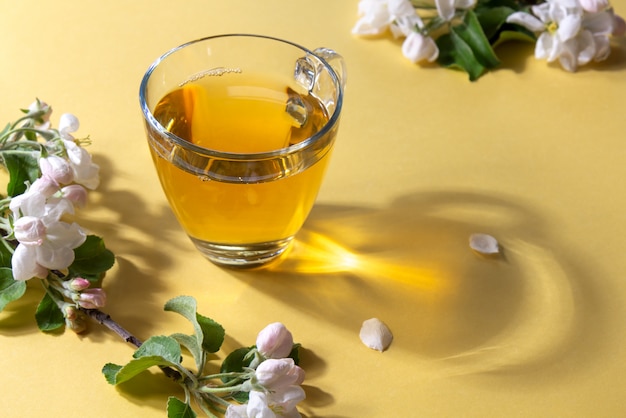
241	129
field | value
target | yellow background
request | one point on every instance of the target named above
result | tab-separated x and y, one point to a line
530	154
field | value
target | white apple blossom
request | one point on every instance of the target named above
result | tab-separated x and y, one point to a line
76	194
418	47
45	242
56	169
281	402
44	186
274	391
594	6
68	123
446	9
376	16
567	32
84	170
278	373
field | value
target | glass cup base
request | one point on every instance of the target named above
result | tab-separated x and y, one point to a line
245	256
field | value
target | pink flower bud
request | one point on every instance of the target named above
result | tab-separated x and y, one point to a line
92	298
78	325
42	108
76	194
79	284
274	341
57	168
74	319
279	373
70	312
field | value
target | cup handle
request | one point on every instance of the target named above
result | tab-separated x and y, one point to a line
336	62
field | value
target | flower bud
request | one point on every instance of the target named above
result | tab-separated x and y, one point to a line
70	312
41	110
78	284
76	194
92	298
274	341
418	47
75	320
56	168
278	373
29	230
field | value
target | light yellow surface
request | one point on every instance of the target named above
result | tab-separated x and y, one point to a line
530	153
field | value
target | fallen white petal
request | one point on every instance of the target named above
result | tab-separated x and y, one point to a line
375	334
484	244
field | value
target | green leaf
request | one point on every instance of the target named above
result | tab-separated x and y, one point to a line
472	33
116	374
295	353
5	255
10	289
491	19
519	34
23	167
92	258
455	53
213	333
156	351
210	334
110	370
190	342
179	409
165	347
48	315
236	361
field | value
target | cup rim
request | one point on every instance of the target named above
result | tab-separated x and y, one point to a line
149	117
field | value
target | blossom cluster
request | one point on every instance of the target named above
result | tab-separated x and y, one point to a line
45	242
575	32
50	173
274	387
463	33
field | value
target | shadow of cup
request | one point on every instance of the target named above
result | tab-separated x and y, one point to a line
410	265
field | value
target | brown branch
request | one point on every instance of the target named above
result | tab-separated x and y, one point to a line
106	320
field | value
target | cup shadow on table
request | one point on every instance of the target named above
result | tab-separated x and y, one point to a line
460	313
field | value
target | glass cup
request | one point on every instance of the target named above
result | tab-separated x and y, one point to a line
241	129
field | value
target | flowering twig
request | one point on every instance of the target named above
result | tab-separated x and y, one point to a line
463	33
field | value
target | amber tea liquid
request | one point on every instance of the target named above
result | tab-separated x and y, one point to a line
238	113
